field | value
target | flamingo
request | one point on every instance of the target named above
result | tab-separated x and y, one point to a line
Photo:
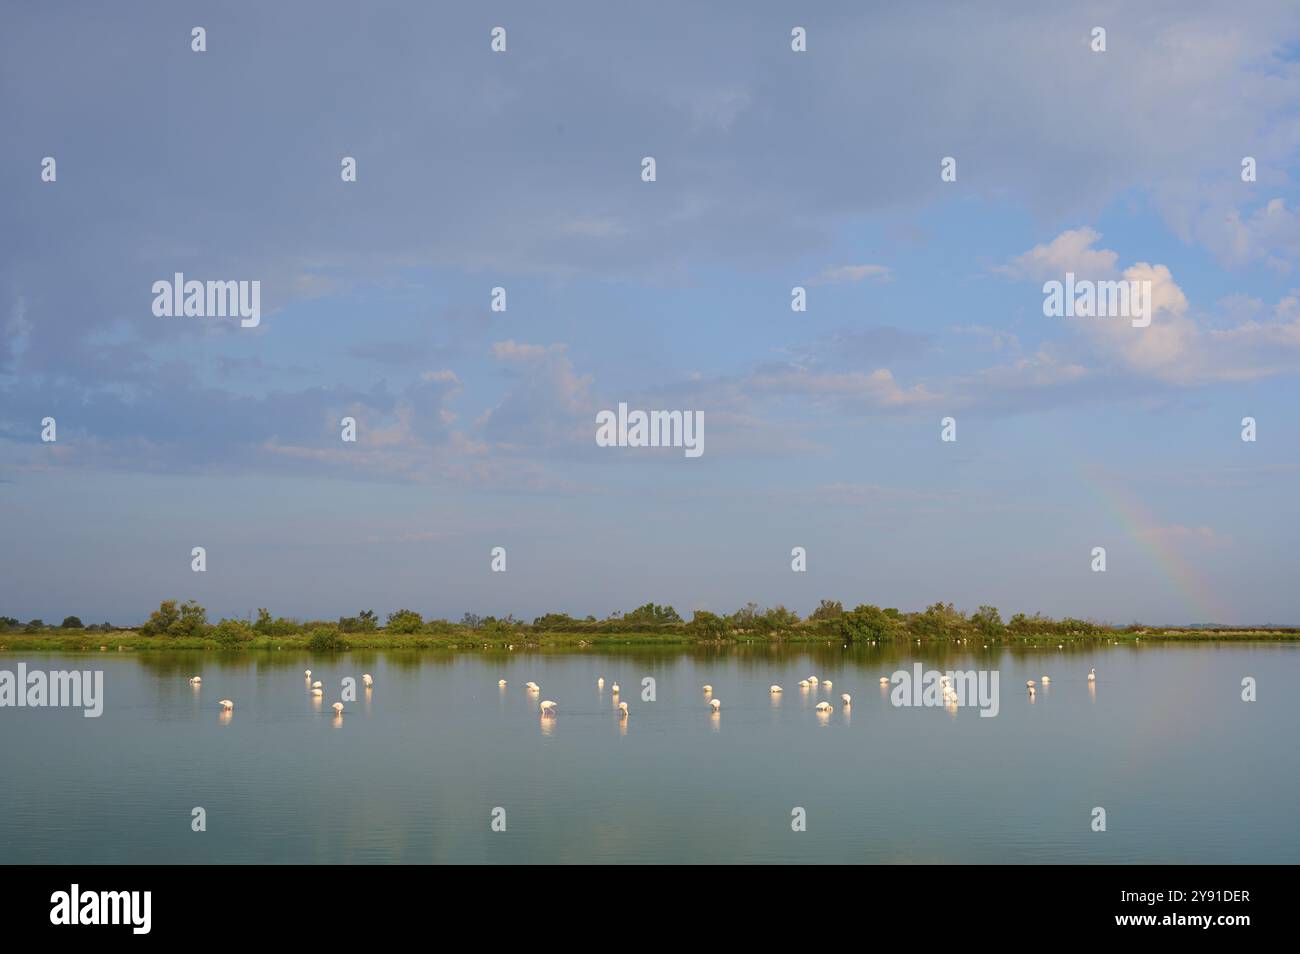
775	689
195	680
367	680
827	683
715	705
848	699
614	688
307	673
707	688
600	682
318	692
823	707
1092	675
531	686
548	708
316	684
1046	680
1029	684
803	683
884	680
501	683
622	710
226	705
338	708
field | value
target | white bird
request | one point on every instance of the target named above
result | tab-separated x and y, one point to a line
715	705
600	682
1092	675
318	692
1031	692
501	682
707	688
1029	683
548	707
307	673
316	684
848	699
337	707
226	704
827	683
531	686
884	680
195	680
823	707
812	680
614	688
367	680
622	710
775	689
1046	680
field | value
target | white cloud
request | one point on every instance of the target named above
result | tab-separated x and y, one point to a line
1071	251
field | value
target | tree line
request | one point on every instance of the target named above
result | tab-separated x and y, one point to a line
863	623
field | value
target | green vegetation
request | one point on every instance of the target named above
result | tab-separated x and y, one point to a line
176	625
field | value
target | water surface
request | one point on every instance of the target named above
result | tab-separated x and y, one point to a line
412	771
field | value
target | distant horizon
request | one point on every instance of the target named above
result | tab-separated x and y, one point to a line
382	615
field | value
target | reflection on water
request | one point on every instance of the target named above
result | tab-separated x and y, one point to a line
430	755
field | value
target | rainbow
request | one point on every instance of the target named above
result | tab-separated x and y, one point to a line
1141	524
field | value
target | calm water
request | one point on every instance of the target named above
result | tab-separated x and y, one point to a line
412	771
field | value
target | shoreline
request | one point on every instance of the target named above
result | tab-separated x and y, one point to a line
133	641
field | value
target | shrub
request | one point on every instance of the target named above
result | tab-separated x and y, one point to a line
405	621
708	625
189	620
363	622
266	626
326	641
233	632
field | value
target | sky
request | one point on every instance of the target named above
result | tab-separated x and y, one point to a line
522	169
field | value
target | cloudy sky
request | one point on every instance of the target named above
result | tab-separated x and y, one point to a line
774	169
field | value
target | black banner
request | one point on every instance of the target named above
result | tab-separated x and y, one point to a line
234	904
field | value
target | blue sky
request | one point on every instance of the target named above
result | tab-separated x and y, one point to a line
522	169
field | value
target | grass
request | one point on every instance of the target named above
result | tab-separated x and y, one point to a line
467	640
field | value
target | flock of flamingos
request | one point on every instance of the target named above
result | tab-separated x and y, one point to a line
548	708
313	688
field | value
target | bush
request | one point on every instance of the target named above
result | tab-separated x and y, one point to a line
405	621
233	632
266	626
363	622
827	610
326	641
193	621
866	622
708	625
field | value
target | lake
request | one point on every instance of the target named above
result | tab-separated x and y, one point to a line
412	771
